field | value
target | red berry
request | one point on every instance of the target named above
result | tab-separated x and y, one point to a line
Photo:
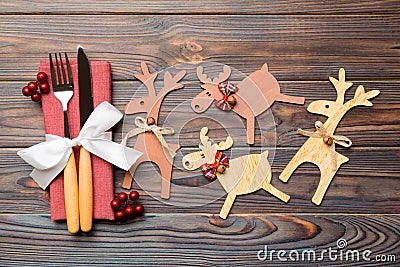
32	86
139	209
44	88
42	77
129	212
123	197
36	96
134	195
26	91
120	215
115	204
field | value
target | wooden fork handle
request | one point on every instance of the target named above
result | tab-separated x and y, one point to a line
71	195
85	190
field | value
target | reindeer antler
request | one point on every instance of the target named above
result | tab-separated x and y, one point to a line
171	83
223	76
147	78
340	85
203	135
361	97
224	145
206	144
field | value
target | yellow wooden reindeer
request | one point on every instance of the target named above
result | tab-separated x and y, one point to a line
245	174
320	147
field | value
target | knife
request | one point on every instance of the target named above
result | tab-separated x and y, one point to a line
85	164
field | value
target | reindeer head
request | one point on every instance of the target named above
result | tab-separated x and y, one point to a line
151	103
325	107
329	108
203	100
194	160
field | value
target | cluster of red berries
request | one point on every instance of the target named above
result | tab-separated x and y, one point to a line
124	210
32	88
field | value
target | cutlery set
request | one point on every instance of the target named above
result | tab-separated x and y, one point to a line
78	189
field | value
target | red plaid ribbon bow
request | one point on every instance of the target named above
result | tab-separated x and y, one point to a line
226	89
209	170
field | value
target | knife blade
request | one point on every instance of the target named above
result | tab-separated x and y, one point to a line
85	164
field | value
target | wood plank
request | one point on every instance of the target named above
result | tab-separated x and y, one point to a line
296	47
22	120
368	183
200	240
198	7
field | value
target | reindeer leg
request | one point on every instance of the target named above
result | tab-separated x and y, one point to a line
275	192
166	173
295	162
250	129
290	99
324	182
127	183
230	198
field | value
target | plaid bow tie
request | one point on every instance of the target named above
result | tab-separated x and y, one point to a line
226	89
209	170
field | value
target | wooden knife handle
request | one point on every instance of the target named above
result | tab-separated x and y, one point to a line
71	195
85	190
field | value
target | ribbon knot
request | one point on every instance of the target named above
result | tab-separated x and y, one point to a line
209	170
227	89
141	123
49	158
329	139
74	142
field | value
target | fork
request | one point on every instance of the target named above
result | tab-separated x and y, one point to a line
63	89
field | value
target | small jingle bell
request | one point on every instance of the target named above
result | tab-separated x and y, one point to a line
328	140
221	169
231	100
150	121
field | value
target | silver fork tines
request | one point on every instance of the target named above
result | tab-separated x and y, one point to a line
63	88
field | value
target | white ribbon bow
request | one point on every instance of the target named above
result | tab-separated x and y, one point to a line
50	157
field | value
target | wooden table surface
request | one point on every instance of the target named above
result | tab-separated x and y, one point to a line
303	43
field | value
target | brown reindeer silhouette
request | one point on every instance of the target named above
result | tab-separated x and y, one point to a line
318	150
147	142
256	94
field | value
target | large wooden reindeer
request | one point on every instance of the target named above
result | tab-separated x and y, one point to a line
255	94
320	147
244	175
147	142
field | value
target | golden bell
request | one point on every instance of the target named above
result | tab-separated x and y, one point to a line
328	140
221	169
150	121
231	100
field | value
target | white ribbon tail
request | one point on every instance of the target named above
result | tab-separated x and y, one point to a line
121	156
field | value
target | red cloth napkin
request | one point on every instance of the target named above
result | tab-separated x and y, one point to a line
103	184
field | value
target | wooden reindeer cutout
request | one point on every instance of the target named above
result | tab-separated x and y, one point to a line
319	148
148	142
241	176
252	96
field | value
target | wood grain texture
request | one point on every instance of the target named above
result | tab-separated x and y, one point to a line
303	43
311	45
198	7
195	240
